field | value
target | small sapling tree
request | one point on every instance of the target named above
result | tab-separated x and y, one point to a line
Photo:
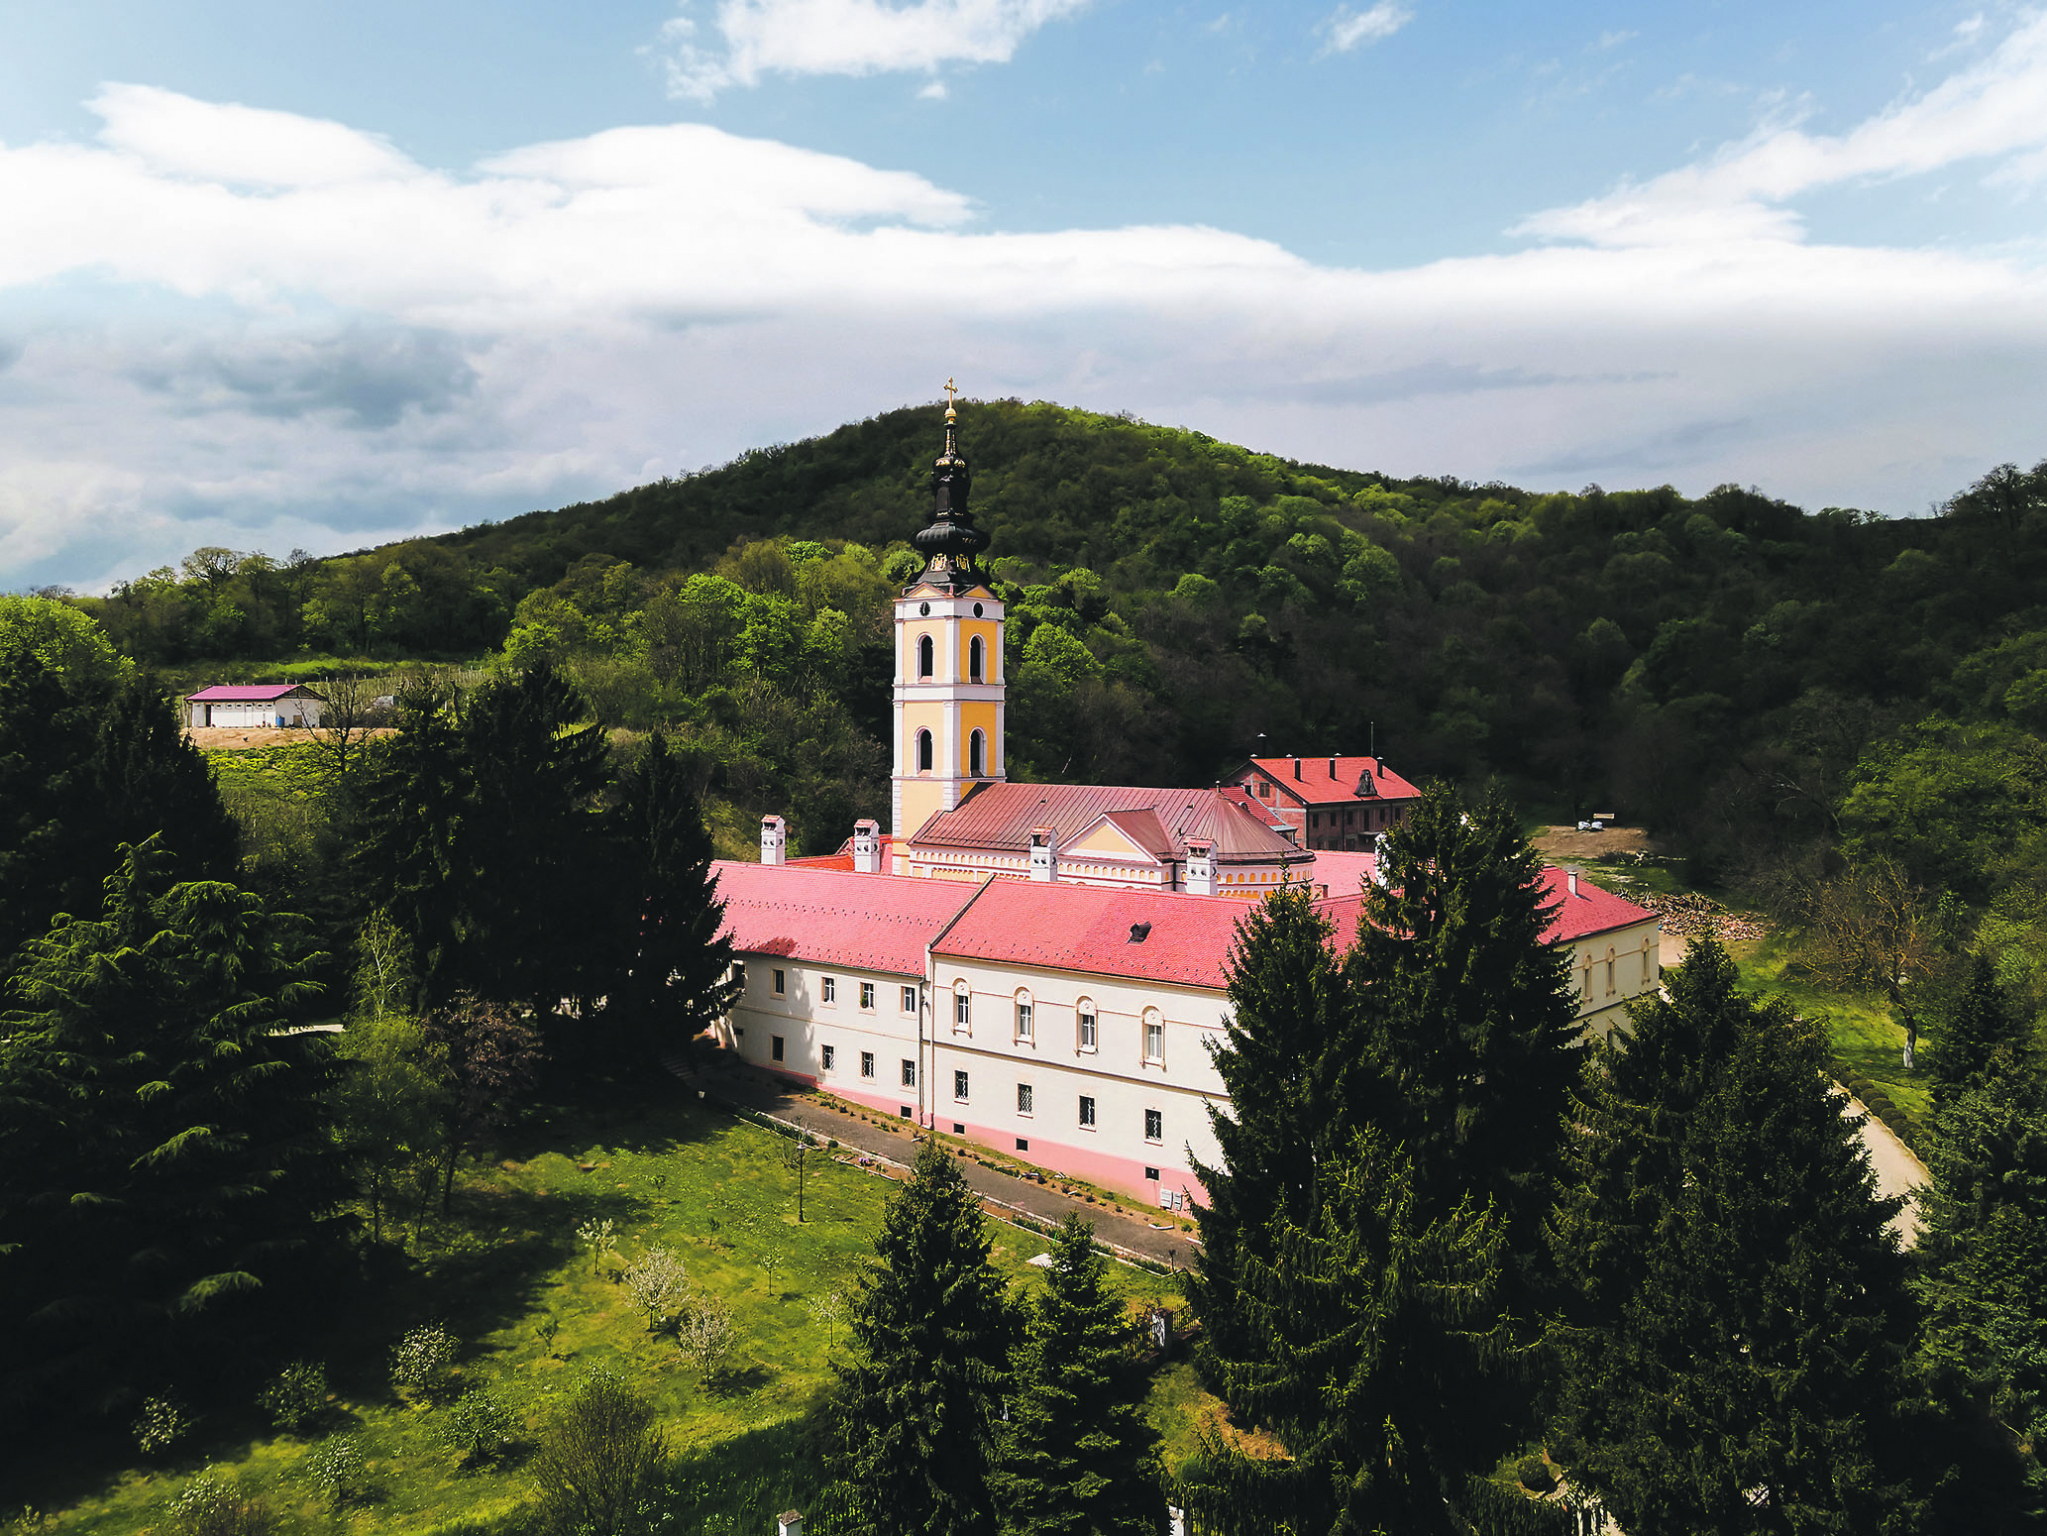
707	1334
545	1331
161	1425
479	1426
657	1284
828	1309
423	1362
600	1237
335	1469
599	1451
296	1398
211	1505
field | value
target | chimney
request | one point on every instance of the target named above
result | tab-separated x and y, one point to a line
1332	767
774	840
867	846
789	1523
1571	879
1044	853
1200	867
1297	767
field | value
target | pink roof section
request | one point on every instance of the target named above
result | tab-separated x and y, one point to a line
1087	928
833	917
999	818
1318	786
1342	874
843	859
248	693
1571	918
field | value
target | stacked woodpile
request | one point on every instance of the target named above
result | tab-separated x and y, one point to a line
1688	916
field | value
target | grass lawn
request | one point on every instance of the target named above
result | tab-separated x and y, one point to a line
717	1191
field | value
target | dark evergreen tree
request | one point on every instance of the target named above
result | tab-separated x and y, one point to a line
1739	1364
412	851
1983	1252
1975	1024
1284	1049
1374	1321
1467	1008
537	898
1076	1455
164	1158
150	781
672	975
917	1414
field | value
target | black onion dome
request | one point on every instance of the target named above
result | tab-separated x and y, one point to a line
950	541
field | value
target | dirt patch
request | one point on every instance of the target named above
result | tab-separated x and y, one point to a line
236	738
1562	845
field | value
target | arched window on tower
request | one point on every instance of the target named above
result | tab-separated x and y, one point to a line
977	756
926	656
923	751
975	665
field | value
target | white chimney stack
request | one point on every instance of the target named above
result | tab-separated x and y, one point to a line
867	846
774	840
1200	867
1572	879
1044	853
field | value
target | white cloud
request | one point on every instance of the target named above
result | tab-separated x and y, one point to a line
933	91
1608	40
1344	29
1996	108
844	37
196	349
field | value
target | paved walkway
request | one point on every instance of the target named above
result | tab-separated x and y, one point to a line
723	1079
1898	1170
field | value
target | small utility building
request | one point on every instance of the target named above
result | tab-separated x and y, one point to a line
258	704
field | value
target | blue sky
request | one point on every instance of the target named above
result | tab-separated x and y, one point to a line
323	274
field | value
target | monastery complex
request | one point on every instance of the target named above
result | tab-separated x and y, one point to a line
1041	967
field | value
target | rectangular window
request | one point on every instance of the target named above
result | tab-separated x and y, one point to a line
739	973
1154	1125
1087	1029
826	1055
867	995
958	1129
1023	1098
959	1085
781	987
1087	1110
831	989
1152	1174
775	1048
1022	1145
867	1063
1023	1021
909	1073
1155	1042
909	999
1609	975
962	1009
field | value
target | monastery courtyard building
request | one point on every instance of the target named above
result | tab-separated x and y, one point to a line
1041	967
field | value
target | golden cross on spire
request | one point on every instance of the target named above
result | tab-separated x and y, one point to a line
950	391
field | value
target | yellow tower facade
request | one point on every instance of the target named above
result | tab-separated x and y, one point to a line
950	677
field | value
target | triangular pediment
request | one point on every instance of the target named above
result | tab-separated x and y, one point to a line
1106	840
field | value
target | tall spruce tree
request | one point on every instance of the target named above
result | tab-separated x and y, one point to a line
672	972
1285	1045
1737	1362
1467	1008
1975	1023
164	1156
150	781
1075	1457
917	1413
1373	1321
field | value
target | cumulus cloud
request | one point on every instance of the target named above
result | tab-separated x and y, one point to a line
208	346
1344	29
747	39
1992	110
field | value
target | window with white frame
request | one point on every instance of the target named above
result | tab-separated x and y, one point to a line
909	999
1089	1035
1023	1098
962	1005
1154	1125
826	1055
1023	1015
909	1073
959	1086
1154	1037
1609	972
780	980
1087	1111
867	996
829	989
867	1063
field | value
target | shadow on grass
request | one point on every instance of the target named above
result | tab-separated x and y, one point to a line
741	1484
730	1384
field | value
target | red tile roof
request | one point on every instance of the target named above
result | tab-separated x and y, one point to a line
1317	785
843	859
1087	928
248	693
1342	874
999	817
830	917
1571	918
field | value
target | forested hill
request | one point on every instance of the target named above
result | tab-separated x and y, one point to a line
1715	666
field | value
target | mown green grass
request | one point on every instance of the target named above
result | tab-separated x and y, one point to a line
716	1190
298	769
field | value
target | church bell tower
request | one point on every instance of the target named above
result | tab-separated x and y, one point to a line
949	673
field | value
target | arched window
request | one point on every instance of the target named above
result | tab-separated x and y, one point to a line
923	751
977	755
1154	1036
926	656
1026	1016
962	1004
1609	973
975	653
1085	1013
